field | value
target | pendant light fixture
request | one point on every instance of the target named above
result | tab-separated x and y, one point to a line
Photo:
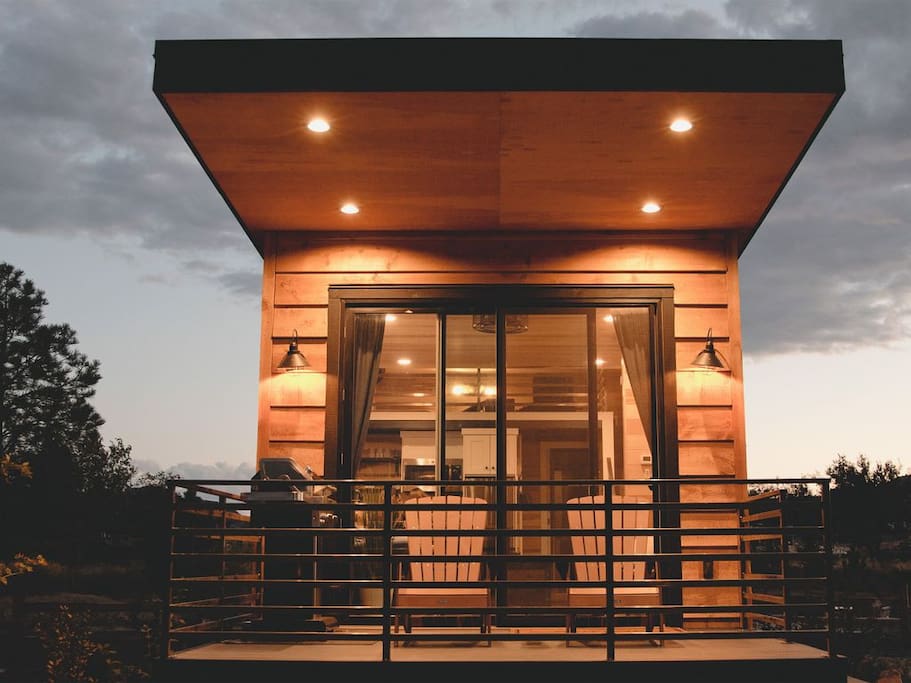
294	360
709	358
516	323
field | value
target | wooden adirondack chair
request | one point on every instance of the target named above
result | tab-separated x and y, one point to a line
624	570
466	572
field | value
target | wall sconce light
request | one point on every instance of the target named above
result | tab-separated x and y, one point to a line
294	360
709	358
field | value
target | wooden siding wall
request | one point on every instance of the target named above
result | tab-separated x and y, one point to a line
299	268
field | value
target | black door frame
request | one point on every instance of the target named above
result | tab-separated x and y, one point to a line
489	298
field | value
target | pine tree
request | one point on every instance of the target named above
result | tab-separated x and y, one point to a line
46	419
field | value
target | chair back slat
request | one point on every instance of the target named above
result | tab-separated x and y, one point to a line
452	518
593	519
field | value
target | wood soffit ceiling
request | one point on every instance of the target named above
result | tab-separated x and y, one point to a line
497	158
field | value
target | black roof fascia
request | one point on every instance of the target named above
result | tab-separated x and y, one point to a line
498	64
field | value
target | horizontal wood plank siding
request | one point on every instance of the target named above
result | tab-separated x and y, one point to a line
299	289
707	459
700	267
297	253
301	424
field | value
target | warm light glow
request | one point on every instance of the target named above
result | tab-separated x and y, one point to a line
404	361
459	390
651	207
681	125
608	318
599	362
419	394
391	318
489	391
349	208
318	125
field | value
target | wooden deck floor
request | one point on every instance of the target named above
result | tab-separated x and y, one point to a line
757	660
531	649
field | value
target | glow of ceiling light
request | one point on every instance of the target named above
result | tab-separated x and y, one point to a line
489	391
459	390
608	318
391	318
599	362
651	207
318	125
681	125
404	361
419	394
349	208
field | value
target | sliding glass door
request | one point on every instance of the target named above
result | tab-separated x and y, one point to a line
422	388
513	394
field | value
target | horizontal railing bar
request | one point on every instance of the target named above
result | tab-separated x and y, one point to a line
702	506
523	533
528	583
562	557
383	483
182	634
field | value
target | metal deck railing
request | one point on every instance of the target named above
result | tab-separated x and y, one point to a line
732	558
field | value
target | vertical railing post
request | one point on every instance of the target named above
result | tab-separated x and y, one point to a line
222	502
168	588
610	612
826	515
784	521
387	570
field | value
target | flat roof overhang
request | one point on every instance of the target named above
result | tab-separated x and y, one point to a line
505	134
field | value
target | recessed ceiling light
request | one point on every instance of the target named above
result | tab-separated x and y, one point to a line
651	207
608	318
349	208
391	317
318	125
404	361
681	125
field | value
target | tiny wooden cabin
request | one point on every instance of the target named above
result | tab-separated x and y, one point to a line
500	257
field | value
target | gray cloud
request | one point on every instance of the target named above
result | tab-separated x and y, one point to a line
88	150
830	269
86	147
686	24
192	470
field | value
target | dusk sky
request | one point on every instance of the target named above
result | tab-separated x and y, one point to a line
104	207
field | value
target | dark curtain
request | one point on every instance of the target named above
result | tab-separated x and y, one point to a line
633	332
366	347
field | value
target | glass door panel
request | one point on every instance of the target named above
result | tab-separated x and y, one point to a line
394	396
547	391
470	386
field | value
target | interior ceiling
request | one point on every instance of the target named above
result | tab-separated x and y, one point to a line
467	161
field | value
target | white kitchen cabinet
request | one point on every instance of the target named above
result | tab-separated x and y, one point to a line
479	452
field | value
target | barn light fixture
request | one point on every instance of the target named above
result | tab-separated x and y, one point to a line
709	358
294	360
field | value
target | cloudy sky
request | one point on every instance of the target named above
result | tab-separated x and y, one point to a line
104	207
